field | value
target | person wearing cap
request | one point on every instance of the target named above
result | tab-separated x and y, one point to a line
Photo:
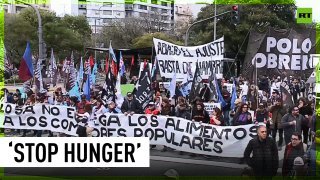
265	159
262	116
151	109
277	111
130	105
296	148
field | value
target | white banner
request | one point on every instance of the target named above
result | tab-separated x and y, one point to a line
175	59
177	133
210	106
40	117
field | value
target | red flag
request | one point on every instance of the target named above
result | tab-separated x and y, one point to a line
114	68
91	61
26	68
132	60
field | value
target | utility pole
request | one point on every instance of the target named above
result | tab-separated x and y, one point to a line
197	22
215	21
40	34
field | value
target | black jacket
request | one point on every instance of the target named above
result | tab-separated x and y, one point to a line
265	159
133	105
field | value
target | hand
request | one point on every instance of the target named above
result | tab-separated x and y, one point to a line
293	123
131	113
125	113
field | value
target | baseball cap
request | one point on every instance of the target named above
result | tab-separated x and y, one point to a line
298	161
129	94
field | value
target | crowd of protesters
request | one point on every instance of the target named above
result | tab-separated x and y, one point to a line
292	124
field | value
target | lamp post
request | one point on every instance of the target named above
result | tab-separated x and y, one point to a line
40	34
95	32
197	22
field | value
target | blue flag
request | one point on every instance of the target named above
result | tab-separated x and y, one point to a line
94	73
220	98
122	67
234	96
86	88
172	87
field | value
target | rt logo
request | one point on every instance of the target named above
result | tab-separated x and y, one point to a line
304	15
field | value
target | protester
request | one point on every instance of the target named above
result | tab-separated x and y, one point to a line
130	105
200	114
242	117
151	109
278	111
265	159
294	149
306	111
291	122
216	117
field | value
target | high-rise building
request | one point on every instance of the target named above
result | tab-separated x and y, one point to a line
13	6
160	12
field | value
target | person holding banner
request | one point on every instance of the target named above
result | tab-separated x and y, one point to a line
181	109
242	117
112	108
130	105
151	109
216	117
200	114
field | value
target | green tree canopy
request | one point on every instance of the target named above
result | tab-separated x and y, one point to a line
146	40
66	34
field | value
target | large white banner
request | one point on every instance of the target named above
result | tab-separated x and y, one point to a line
40	117
176	59
177	133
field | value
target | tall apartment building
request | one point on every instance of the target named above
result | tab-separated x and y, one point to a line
157	10
182	12
13	6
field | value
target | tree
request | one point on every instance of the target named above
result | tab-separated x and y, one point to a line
64	35
147	40
122	32
259	16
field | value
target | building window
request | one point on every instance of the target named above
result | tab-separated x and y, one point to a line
107	20
143	7
142	14
164	4
128	13
107	4
108	12
164	18
164	11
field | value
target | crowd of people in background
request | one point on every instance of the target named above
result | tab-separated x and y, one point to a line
292	127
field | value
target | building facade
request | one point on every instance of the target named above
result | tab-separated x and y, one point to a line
13	6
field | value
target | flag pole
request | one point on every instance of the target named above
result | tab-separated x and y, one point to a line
256	74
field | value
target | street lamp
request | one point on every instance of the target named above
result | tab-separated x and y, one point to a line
41	53
95	32
197	22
